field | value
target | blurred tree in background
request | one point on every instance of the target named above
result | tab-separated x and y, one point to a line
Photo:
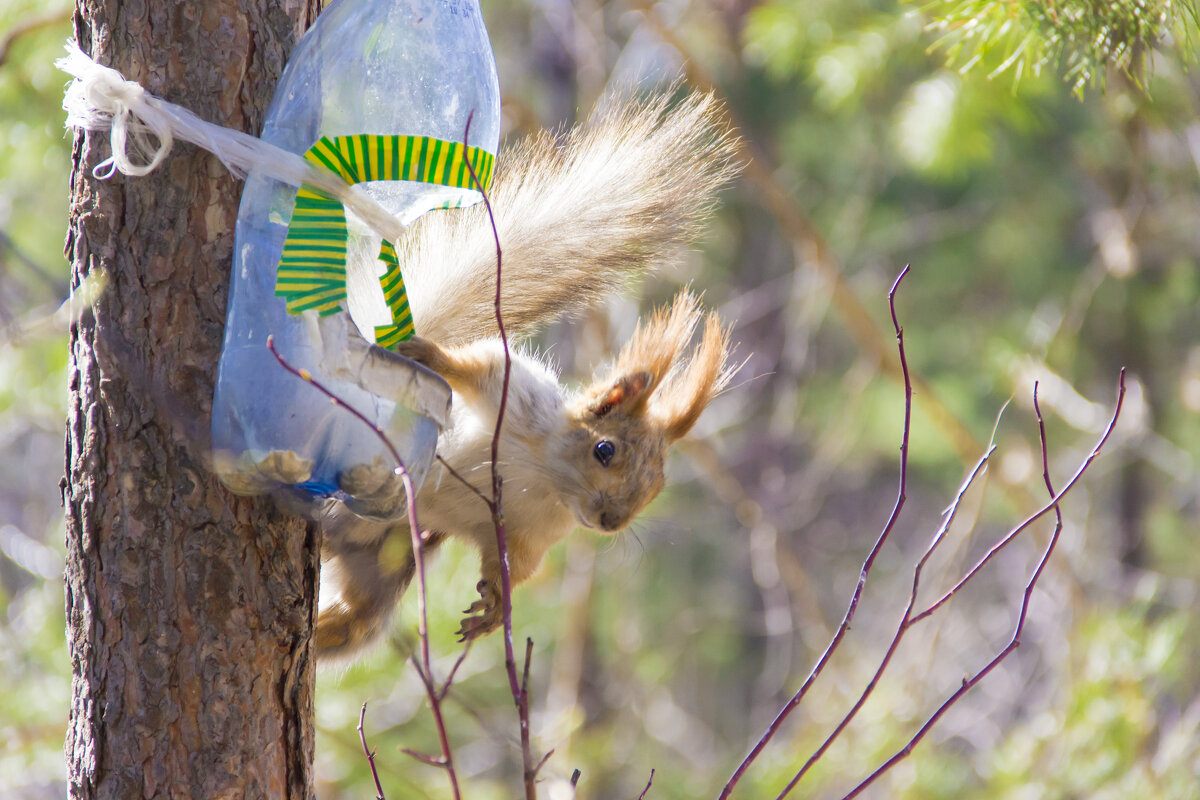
1039	166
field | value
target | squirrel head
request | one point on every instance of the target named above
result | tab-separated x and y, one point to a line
652	394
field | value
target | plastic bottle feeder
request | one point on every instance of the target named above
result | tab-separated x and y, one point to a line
379	93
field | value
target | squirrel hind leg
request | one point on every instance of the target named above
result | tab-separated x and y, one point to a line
365	586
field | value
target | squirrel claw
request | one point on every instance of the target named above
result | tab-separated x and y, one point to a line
479	606
485	614
474	627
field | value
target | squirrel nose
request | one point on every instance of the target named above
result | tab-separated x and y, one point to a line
611	521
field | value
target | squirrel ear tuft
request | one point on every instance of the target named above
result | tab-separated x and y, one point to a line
629	393
690	388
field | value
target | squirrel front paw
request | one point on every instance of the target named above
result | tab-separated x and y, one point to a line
486	613
420	350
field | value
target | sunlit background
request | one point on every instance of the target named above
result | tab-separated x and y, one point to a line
1050	209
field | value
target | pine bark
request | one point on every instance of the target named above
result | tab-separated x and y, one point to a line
189	611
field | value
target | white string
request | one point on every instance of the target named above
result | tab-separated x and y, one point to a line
101	99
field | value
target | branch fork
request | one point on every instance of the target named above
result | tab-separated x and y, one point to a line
909	618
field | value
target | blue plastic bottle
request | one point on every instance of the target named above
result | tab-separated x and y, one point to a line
382	67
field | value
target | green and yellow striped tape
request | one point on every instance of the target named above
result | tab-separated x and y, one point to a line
312	267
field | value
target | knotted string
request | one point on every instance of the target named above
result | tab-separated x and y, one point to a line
101	99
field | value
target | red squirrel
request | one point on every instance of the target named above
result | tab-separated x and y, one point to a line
577	217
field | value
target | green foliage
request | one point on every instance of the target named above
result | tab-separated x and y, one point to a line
34	147
1081	40
34	163
1119	729
34	663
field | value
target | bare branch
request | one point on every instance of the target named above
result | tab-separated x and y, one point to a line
908	619
454	671
542	763
423	758
523	712
906	622
362	737
863	573
1015	641
458	477
519	693
649	783
1037	409
1052	504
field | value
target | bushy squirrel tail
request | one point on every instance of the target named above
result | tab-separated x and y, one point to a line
578	216
365	570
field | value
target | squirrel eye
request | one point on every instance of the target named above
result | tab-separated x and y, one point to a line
604	451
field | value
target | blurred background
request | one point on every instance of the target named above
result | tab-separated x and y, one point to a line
1038	165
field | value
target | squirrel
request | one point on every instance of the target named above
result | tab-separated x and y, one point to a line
576	217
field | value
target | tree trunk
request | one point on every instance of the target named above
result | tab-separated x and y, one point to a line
189	611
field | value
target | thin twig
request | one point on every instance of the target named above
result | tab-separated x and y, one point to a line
1037	410
542	762
526	748
398	776
791	705
424	758
496	503
906	622
1015	641
454	671
649	783
418	549
362	737
1045	509
520	697
455	474
525	672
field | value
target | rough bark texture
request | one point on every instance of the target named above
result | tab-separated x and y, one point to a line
190	612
